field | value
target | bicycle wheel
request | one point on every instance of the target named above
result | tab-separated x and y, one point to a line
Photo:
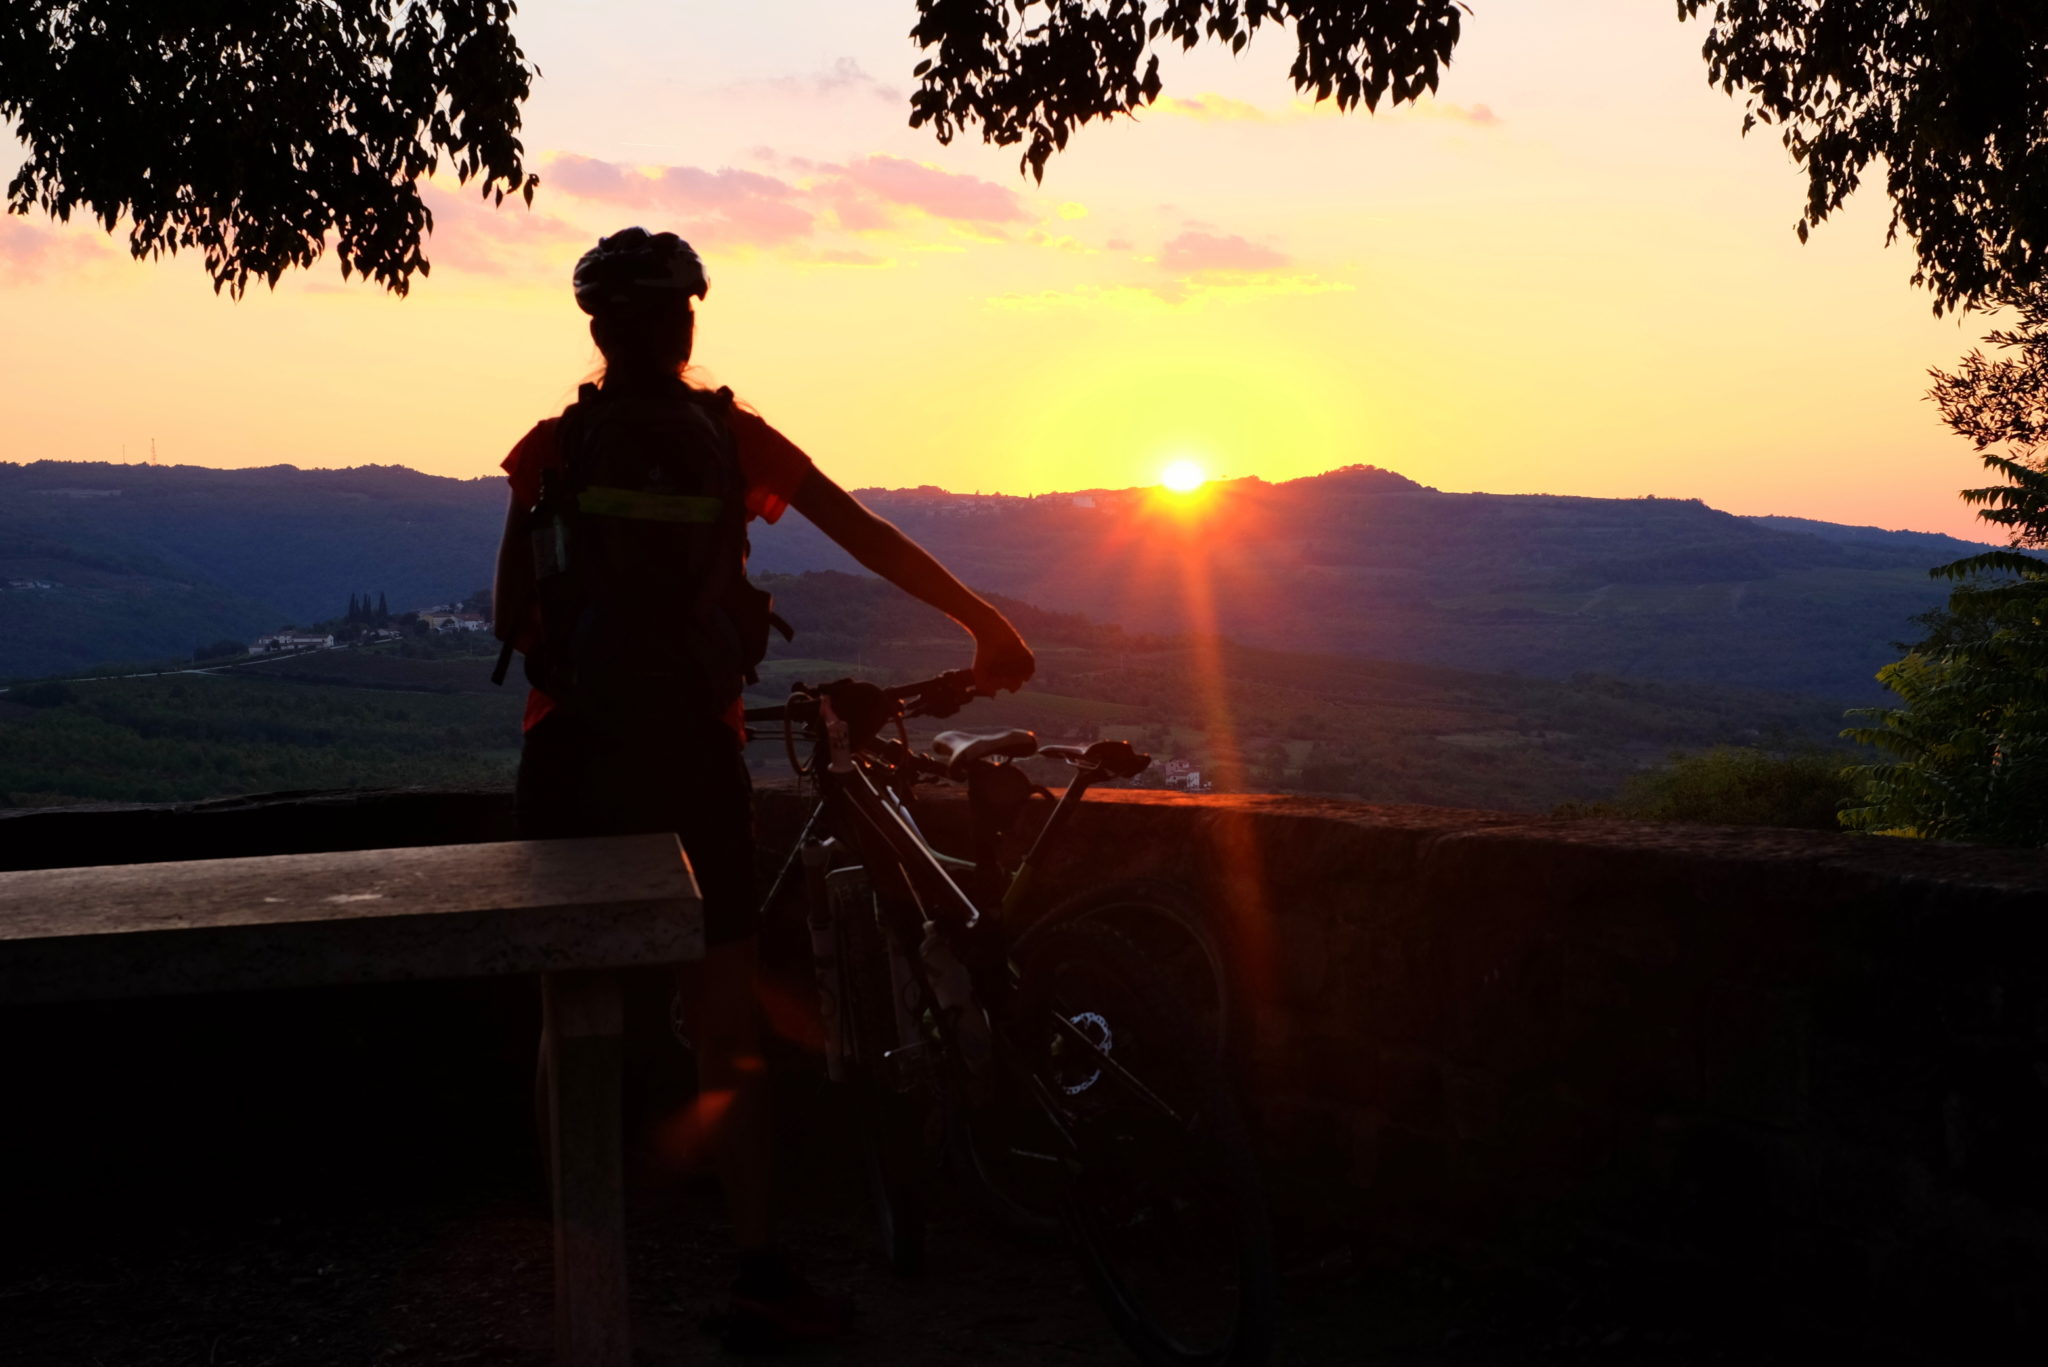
1163	1201
886	1100
1001	1147
1164	923
1001	1150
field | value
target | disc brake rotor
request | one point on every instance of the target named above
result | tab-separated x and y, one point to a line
1095	1029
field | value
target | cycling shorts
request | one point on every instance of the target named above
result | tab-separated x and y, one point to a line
579	778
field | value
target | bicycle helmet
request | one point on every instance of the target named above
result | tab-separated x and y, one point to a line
635	269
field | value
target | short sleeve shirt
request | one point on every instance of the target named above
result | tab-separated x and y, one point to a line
772	465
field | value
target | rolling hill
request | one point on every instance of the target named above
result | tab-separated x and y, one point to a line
146	561
425	712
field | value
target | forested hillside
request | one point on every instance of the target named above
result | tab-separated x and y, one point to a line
145	561
423	711
1364	562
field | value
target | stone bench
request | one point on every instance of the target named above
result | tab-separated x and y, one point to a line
573	911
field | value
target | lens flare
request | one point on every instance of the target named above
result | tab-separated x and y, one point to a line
1183	477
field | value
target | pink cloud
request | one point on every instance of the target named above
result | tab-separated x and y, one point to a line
1213	108
942	194
735	206
587	177
724	206
686	185
470	234
32	250
853	212
1478	115
1210	108
1195	253
731	205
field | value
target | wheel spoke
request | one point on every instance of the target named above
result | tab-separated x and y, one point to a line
1163	1201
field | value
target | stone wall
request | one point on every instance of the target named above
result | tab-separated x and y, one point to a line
1758	1061
1765	1062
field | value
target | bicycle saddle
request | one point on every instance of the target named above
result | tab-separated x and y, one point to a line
961	748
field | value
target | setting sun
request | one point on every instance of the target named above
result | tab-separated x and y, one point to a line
1183	477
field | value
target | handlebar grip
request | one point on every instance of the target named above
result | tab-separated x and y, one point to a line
938	697
959	682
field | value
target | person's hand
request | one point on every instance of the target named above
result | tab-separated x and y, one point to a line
1001	659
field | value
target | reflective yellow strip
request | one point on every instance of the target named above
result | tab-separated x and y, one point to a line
649	507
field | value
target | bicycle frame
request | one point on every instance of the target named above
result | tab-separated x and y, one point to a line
868	791
866	785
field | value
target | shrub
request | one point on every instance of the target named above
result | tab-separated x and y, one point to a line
1738	785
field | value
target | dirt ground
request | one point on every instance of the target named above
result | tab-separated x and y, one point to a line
326	1191
469	1281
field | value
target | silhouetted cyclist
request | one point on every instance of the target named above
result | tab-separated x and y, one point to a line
622	579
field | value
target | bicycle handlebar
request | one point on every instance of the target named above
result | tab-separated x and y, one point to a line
866	708
939	696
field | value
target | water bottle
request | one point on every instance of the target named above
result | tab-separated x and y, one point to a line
549	520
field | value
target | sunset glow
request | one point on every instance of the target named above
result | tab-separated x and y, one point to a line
1544	279
1183	477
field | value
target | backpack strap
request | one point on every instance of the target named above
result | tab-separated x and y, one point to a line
569	432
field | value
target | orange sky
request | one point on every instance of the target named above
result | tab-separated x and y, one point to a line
1568	275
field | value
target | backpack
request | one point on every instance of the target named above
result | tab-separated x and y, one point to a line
639	544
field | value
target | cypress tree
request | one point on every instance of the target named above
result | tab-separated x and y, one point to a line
383	612
355	611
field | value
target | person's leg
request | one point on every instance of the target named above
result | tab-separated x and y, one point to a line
721	1013
771	1302
578	779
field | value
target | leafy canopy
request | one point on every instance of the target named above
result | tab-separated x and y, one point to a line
1950	95
1968	750
1033	71
257	131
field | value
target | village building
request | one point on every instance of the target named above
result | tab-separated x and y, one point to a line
289	640
448	620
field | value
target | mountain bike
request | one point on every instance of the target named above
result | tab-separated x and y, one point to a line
1069	1077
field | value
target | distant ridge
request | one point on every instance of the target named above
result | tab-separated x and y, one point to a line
1362	477
1936	543
151	560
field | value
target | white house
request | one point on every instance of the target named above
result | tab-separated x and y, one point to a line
454	621
289	640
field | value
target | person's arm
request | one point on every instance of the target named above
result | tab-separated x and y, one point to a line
1001	659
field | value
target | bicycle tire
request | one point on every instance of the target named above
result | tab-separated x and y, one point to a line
887	1119
1163	1201
987	1141
1164	922
1001	1153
